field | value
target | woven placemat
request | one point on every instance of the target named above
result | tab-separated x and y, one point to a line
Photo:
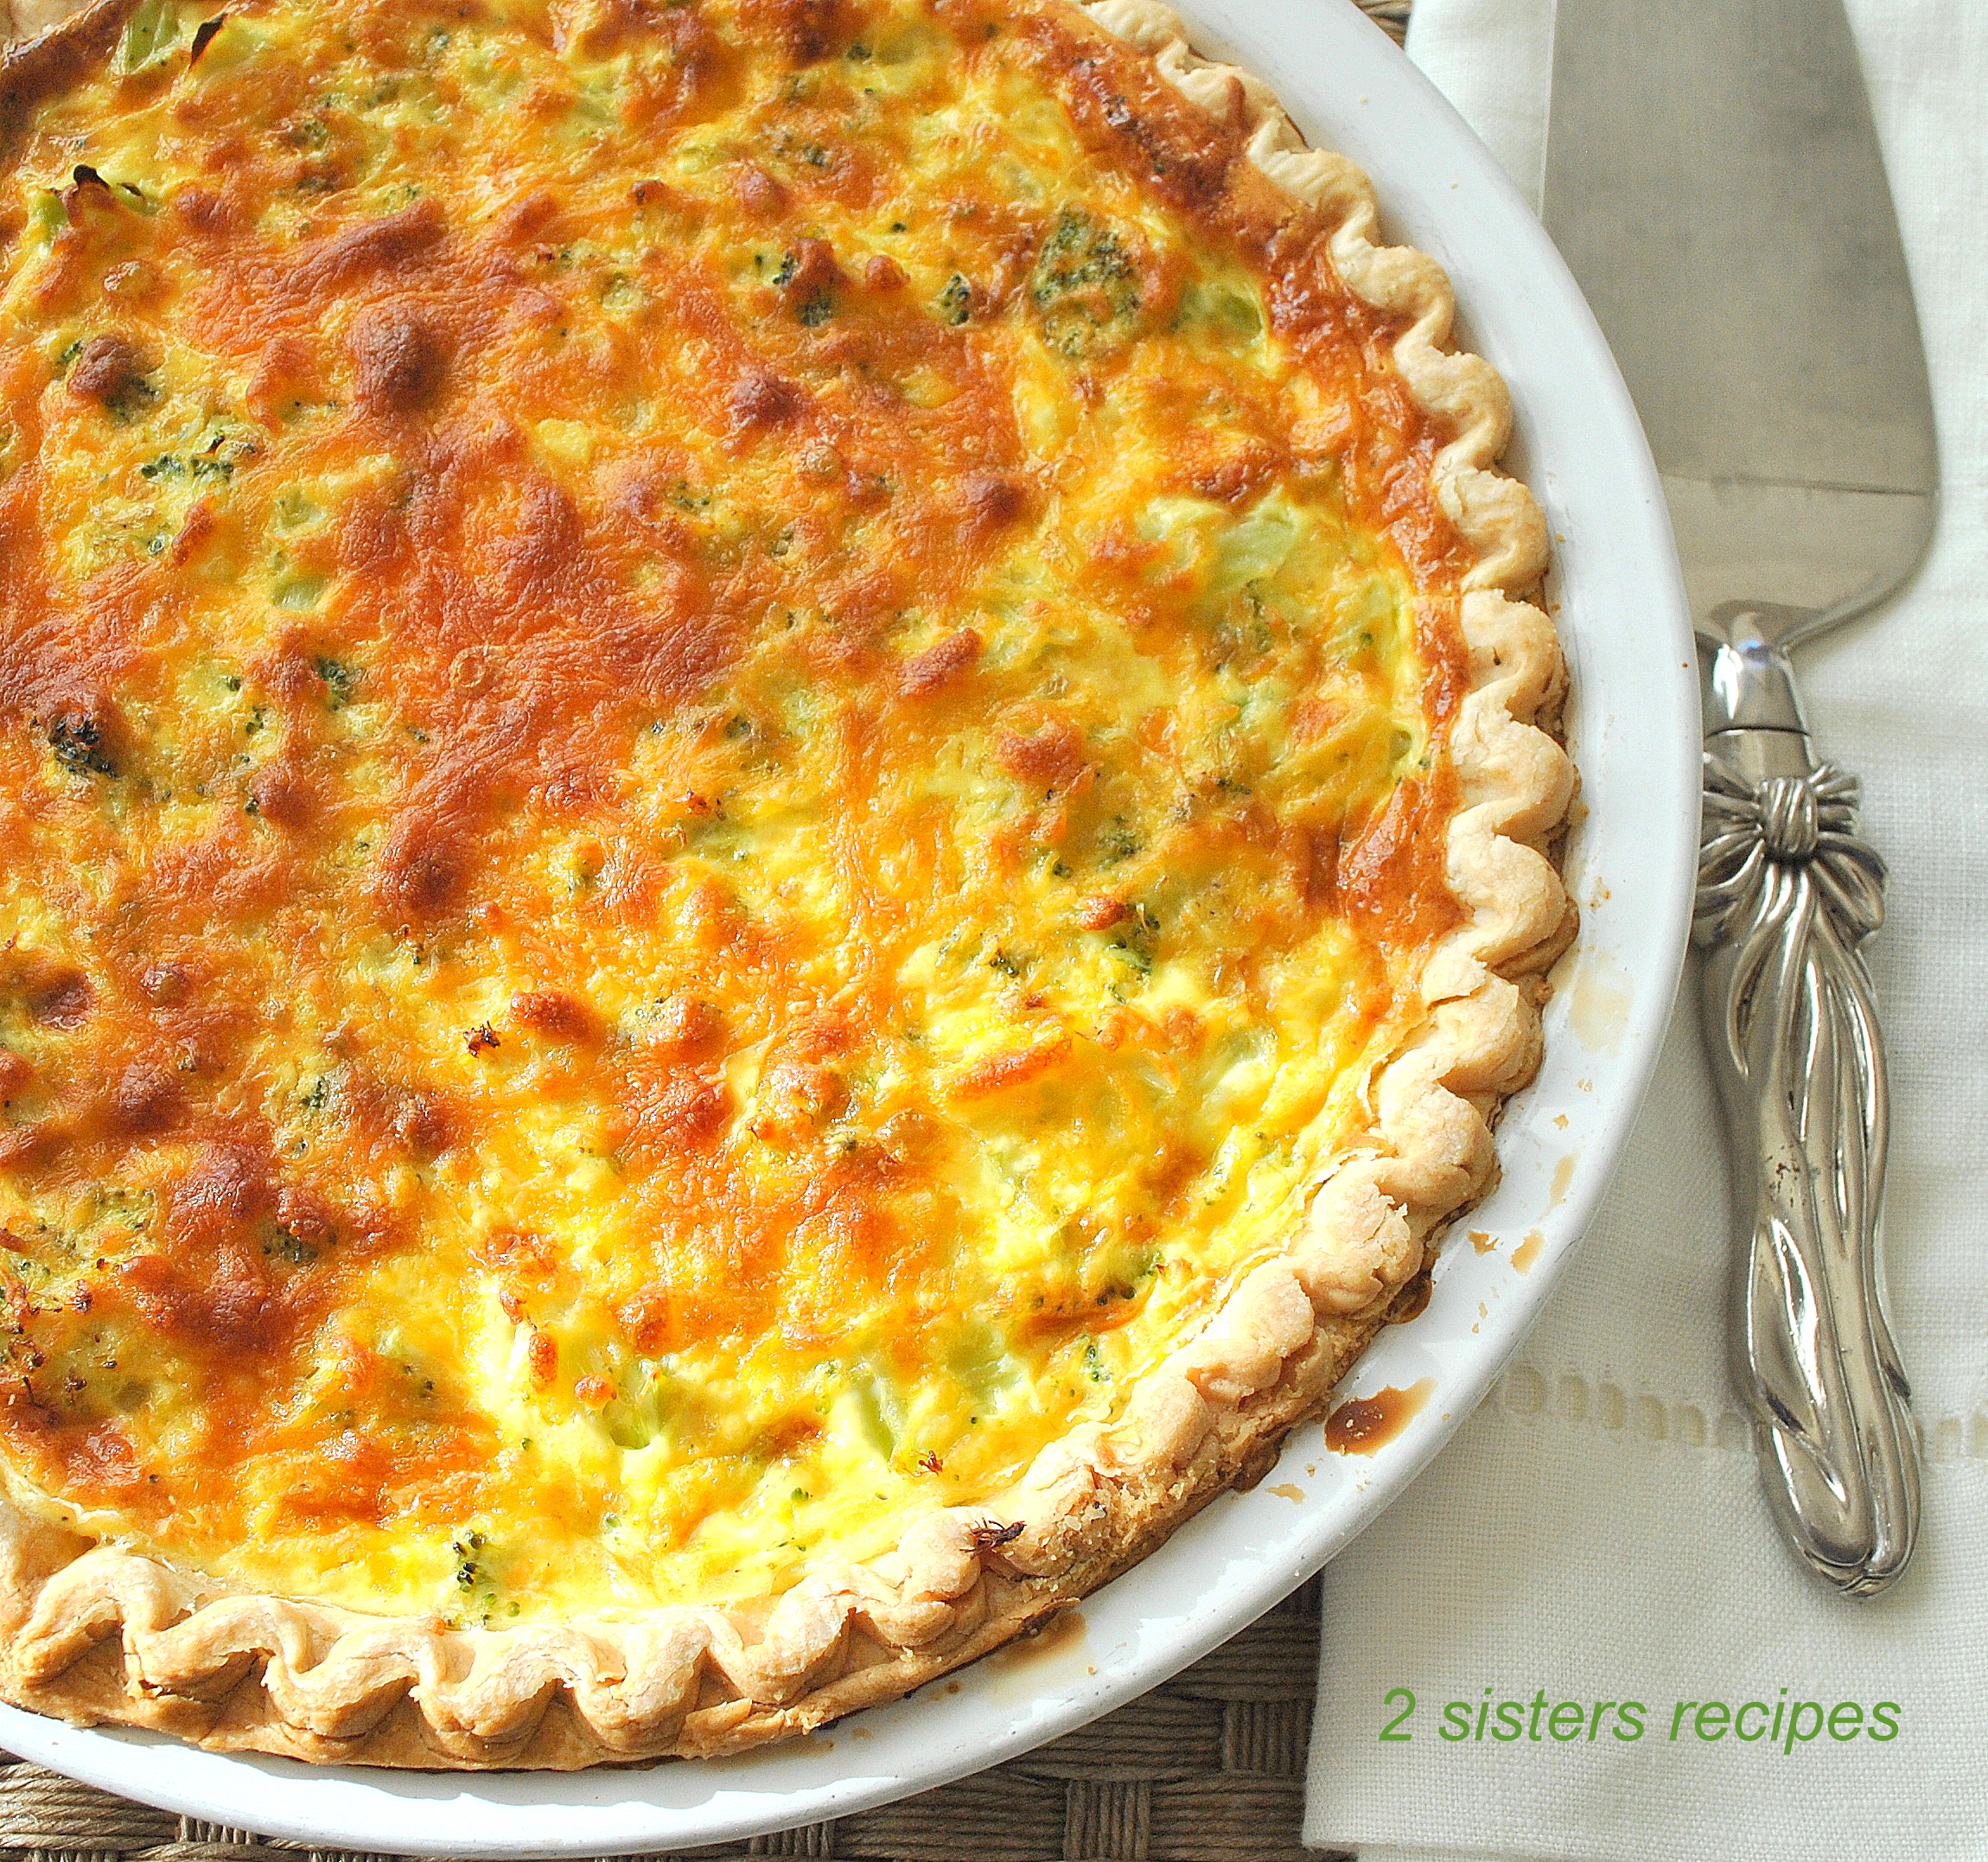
1391	15
1207	1768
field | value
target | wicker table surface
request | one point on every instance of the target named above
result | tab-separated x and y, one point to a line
1207	1768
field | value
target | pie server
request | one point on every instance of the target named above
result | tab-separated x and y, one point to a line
1713	178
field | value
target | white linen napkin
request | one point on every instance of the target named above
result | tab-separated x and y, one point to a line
1595	1532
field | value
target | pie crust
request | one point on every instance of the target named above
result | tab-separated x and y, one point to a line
99	1635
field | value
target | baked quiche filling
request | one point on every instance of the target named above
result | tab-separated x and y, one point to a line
721	763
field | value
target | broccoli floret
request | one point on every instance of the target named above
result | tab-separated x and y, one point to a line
77	740
955	301
1085	288
341	682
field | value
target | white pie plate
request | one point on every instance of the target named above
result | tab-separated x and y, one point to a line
1633	729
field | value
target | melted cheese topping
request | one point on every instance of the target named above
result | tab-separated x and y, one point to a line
723	758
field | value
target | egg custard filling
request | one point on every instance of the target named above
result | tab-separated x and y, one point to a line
724	755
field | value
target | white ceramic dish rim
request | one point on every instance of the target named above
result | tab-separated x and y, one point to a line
1633	727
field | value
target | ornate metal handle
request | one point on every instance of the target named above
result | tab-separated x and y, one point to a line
1787	894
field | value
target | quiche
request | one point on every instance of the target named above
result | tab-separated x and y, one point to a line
774	828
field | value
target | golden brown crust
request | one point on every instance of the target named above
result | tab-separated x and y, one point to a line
96	1634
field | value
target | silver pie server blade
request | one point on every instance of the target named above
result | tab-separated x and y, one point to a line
1714	179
